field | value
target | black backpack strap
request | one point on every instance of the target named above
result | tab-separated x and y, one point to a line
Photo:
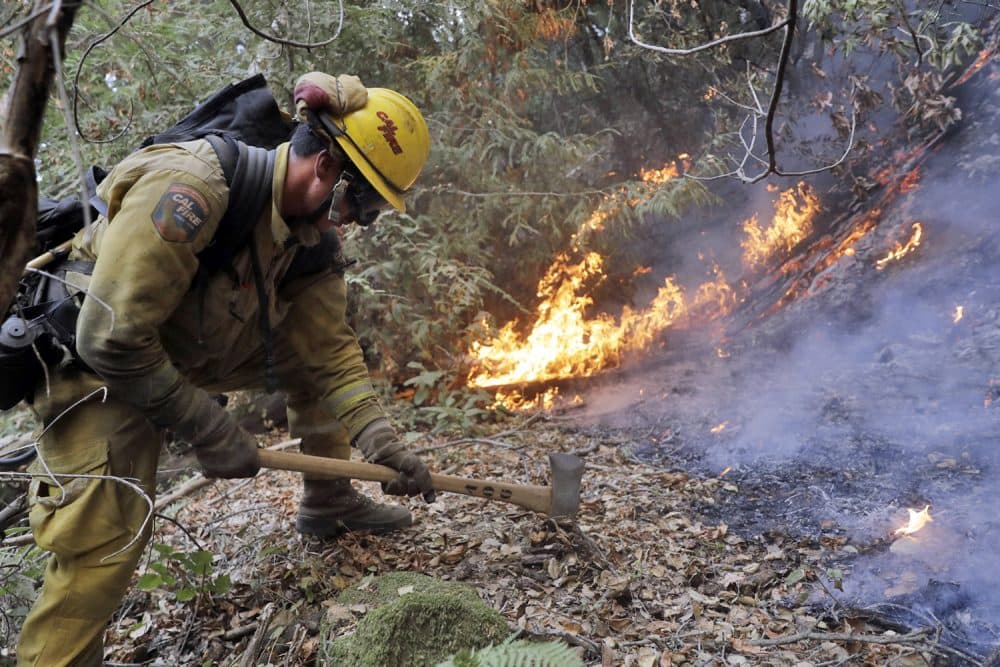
249	171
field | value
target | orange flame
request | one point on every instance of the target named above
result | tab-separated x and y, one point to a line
918	519
614	202
910	181
563	341
719	428
792	222
981	60
991	392
714	298
659	176
900	250
958	314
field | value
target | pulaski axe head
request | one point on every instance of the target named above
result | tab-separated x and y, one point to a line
567	473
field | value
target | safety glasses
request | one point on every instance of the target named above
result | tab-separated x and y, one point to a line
366	202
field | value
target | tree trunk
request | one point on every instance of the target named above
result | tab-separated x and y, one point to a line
21	118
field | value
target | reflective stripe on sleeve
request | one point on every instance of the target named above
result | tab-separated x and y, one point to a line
348	396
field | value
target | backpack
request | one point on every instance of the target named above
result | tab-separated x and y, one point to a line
242	122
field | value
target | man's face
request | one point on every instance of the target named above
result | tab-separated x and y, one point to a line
358	201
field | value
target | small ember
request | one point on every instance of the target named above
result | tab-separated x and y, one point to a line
918	519
720	428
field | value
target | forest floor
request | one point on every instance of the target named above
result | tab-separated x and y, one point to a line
639	578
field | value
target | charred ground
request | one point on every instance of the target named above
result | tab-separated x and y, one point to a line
845	390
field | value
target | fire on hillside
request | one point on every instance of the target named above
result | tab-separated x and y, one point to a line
568	339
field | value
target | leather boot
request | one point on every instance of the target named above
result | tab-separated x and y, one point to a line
332	506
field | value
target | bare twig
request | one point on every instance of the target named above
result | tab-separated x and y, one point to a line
700	47
770	165
779	82
253	648
288	42
84	290
79	68
909	638
64	98
226	517
493	440
56	476
188	487
909	28
25	21
757	111
521	193
238	633
12	513
840	160
182	527
468	442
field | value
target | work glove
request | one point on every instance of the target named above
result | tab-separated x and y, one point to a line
223	447
336	95
171	402
380	444
235	455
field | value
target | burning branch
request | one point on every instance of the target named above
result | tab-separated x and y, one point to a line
901	250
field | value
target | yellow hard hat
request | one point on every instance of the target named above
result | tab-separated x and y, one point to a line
386	139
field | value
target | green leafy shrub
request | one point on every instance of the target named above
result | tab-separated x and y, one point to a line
186	574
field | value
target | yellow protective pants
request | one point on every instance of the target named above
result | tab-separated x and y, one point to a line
87	523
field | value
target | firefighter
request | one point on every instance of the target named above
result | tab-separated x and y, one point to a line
163	343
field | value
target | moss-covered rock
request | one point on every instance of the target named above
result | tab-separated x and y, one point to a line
416	621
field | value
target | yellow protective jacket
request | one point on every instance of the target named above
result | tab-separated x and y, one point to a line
171	337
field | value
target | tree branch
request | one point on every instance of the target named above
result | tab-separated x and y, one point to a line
779	82
25	21
287	42
79	68
913	33
22	126
756	111
701	47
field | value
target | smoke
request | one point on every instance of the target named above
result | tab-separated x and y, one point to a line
878	392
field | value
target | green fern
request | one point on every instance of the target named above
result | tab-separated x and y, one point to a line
519	653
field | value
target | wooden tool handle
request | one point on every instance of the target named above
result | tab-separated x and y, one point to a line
537	498
48	256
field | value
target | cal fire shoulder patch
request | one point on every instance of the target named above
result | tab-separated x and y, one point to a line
181	212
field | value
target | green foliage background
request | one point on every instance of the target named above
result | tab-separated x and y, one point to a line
539	112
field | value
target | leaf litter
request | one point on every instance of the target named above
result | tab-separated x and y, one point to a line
639	578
